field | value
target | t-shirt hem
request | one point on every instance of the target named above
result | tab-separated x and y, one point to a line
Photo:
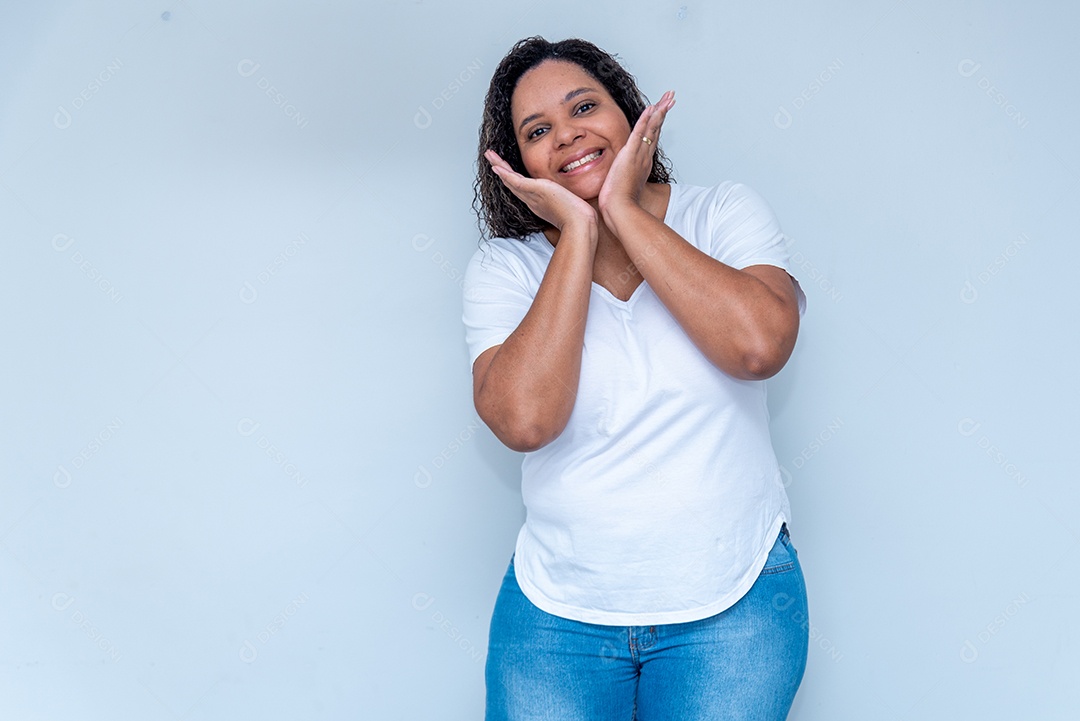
612	618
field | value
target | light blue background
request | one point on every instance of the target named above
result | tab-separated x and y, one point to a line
242	474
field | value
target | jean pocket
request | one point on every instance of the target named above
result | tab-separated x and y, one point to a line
782	555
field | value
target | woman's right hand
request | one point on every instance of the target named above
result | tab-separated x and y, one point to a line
546	198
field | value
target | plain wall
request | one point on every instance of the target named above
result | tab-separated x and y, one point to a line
241	472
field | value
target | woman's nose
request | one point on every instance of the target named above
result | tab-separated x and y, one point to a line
567	133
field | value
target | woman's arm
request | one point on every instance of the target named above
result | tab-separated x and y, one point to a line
744	321
525	388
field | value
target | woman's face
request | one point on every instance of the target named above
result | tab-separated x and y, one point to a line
568	127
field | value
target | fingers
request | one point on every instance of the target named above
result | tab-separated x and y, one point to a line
497	163
655	115
632	166
524	187
646	132
510	178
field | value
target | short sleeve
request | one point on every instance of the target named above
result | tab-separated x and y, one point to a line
746	232
496	298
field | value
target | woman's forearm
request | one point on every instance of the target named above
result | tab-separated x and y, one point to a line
529	387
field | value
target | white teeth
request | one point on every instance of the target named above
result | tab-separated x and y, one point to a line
578	163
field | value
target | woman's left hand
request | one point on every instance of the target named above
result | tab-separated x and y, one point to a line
634	162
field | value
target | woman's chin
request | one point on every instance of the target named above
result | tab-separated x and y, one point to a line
588	190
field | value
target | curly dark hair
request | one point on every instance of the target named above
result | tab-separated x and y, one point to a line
500	213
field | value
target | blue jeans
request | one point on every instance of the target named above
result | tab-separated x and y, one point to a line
743	663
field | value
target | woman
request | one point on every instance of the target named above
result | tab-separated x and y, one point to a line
619	329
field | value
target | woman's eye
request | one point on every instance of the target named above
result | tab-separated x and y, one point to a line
586	106
536	133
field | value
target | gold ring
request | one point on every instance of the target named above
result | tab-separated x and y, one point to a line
646	140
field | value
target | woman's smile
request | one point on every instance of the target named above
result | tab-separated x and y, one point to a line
581	162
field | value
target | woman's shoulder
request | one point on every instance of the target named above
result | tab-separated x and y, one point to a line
523	258
533	245
719	199
719	191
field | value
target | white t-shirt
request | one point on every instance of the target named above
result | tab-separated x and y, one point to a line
662	497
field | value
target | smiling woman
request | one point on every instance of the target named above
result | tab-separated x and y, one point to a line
620	328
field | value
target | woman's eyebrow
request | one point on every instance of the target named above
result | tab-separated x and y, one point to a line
569	96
